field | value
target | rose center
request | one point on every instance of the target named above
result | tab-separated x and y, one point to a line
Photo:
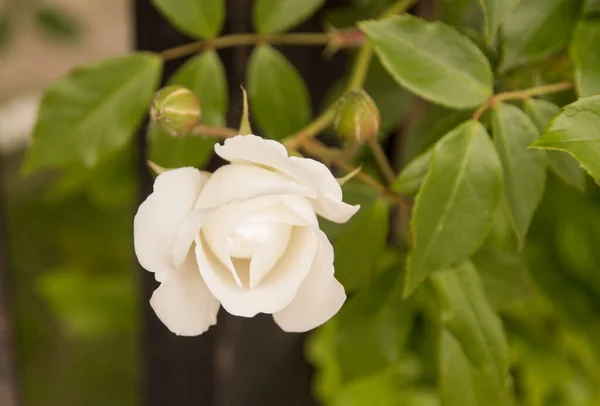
246	238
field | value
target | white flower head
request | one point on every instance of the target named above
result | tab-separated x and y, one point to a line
245	237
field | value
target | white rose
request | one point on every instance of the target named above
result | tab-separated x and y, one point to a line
245	237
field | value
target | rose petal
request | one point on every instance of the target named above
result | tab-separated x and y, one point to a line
277	288
188	229
301	207
232	183
265	258
244	149
335	210
183	302
319	298
157	220
222	221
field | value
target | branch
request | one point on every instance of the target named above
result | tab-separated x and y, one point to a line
521	95
338	39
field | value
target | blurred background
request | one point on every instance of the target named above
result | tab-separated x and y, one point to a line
75	325
67	258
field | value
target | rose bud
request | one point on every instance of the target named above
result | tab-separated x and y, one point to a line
357	117
176	109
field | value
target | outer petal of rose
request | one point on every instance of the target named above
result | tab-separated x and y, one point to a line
335	210
184	303
252	149
275	291
231	183
157	220
319	298
189	227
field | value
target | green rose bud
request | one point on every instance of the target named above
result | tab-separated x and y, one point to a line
176	109
357	117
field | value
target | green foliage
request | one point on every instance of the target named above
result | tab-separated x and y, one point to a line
586	58
204	74
537	29
462	190
93	111
495	13
504	276
282	112
361	243
473	349
524	170
413	50
273	16
574	131
200	19
411	177
361	348
563	165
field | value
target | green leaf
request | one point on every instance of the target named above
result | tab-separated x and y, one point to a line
413	51
204	74
196	18
524	169
586	58
453	211
495	13
504	275
473	350
56	23
111	183
575	130
373	327
359	246
273	16
278	95
536	29
411	177
93	111
563	165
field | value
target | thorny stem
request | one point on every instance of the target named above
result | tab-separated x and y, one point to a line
344	38
521	95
